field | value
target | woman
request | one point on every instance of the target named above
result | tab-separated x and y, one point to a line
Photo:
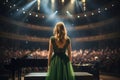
59	58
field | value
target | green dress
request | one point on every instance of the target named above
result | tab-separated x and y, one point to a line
60	65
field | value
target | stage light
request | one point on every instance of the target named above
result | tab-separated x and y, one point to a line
72	1
92	13
84	8
84	5
105	8
23	12
85	15
36	15
69	14
17	9
53	4
83	1
53	15
14	5
45	6
56	11
38	1
78	16
27	6
43	16
10	6
99	11
62	1
52	1
112	5
30	14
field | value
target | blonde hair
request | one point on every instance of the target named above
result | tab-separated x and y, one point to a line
60	31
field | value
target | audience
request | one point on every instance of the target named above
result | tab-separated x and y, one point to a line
108	58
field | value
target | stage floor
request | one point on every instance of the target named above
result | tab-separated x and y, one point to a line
42	76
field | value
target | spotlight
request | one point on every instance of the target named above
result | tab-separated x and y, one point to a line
53	15
85	15
99	11
53	1
84	8
43	16
112	5
72	1
29	5
78	16
38	1
62	1
17	9
29	13
56	11
83	1
36	15
10	6
14	5
23	12
92	13
67	11
105	8
69	14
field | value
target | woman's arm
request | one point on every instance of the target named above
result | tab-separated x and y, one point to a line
69	51
50	52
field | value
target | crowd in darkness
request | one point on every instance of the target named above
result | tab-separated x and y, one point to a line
109	58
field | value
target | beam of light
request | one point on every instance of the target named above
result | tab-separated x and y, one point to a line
53	18
53	4
72	1
38	2
81	5
70	6
22	11
63	1
52	1
45	6
27	6
84	5
69	14
24	8
83	1
53	15
78	5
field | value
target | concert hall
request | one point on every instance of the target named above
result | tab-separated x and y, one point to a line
59	39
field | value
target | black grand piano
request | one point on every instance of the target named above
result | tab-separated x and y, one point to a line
16	65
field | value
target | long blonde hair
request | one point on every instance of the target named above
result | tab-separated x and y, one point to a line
60	31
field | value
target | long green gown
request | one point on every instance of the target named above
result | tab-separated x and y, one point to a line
60	65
